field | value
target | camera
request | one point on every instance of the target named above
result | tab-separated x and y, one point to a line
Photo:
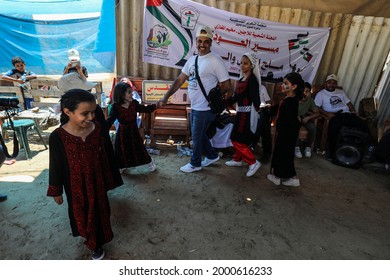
9	102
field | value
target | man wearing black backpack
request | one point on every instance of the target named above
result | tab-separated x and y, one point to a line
211	71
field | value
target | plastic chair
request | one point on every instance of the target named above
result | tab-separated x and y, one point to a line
21	127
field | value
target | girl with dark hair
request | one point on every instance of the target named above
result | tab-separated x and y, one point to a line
129	148
78	164
287	129
245	126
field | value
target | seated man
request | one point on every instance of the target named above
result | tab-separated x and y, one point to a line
334	105
307	113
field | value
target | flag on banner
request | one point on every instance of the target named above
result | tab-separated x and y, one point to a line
169	39
293	44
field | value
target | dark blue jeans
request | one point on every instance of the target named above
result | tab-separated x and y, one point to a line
200	121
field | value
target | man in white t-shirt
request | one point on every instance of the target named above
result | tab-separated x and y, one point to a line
334	104
212	71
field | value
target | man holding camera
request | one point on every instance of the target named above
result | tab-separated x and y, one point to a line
74	64
212	71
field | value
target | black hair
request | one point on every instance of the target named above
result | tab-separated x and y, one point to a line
296	79
17	59
71	100
307	85
120	92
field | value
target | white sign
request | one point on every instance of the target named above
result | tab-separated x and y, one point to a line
169	39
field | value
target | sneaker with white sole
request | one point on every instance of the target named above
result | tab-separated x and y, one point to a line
207	161
253	168
233	163
188	168
292	182
152	167
273	179
308	152
98	254
298	153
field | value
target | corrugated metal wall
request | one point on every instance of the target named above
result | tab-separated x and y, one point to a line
356	50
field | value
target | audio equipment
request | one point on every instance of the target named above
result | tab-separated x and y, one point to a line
350	147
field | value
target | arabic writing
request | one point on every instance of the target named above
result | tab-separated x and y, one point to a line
243	32
245	43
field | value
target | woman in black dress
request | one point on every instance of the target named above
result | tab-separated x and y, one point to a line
287	129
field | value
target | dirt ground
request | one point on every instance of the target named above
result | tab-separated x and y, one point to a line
218	213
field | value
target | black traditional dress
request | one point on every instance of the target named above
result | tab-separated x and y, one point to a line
129	147
247	92
287	129
104	131
81	169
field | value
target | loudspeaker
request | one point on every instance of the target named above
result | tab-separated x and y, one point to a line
350	147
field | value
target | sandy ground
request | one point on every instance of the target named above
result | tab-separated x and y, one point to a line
218	213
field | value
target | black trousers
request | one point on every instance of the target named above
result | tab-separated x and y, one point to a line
2	156
382	150
264	131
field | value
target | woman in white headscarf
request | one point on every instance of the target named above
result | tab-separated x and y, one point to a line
248	102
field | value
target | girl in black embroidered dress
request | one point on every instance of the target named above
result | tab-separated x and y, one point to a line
79	165
287	129
129	148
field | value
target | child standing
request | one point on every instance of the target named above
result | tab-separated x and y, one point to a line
129	148
79	166
287	129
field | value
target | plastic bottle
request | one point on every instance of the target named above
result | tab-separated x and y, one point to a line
148	141
104	99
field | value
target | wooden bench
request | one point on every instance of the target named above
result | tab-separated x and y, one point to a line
45	92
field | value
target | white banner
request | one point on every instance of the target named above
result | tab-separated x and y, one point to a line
169	39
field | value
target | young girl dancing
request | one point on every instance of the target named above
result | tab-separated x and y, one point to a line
78	164
129	148
245	125
287	129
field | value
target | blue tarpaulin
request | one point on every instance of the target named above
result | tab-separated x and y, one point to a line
42	32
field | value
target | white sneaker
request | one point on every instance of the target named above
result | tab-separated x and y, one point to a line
308	152
298	153
152	167
253	168
233	163
188	168
207	162
273	179
292	182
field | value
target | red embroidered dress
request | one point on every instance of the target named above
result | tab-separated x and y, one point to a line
80	168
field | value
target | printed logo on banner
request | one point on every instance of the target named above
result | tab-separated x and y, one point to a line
158	41
189	17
